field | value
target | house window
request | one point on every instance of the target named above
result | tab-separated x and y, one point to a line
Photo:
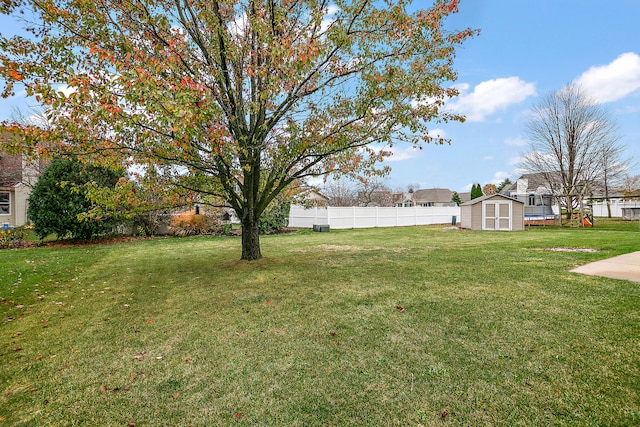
4	203
427	204
532	199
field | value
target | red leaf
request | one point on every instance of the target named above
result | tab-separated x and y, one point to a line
102	389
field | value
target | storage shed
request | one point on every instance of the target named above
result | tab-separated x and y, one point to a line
493	212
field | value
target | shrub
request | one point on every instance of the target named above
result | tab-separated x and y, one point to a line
59	197
189	223
274	218
11	237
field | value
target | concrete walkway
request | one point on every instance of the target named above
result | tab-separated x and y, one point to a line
624	267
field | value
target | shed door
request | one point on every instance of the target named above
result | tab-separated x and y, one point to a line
496	215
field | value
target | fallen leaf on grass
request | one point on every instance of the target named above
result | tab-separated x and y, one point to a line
400	308
175	395
140	356
102	389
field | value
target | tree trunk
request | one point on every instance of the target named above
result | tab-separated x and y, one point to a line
250	238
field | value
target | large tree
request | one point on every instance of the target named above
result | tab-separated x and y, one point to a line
573	141
236	99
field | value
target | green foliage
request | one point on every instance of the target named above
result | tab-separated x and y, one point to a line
455	197
476	191
503	184
274	218
215	91
59	198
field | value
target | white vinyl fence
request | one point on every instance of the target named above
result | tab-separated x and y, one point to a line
600	208
359	217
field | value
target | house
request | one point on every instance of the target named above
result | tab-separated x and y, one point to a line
432	197
493	212
535	193
314	197
14	191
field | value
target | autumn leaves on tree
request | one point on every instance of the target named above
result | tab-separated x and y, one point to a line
235	99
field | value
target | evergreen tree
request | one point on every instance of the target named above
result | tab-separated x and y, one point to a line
59	197
503	184
455	197
476	191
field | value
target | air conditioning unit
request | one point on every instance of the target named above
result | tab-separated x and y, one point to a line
321	228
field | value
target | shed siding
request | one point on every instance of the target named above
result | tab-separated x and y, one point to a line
465	216
471	214
517	217
476	216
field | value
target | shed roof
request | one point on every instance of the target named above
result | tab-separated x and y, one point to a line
490	196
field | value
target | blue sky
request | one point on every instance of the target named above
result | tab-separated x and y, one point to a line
526	49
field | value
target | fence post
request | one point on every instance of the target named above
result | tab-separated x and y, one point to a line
353	217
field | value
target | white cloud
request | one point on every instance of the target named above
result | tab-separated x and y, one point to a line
613	81
500	176
490	96
399	154
67	90
486	158
329	17
516	142
437	133
316	181
515	160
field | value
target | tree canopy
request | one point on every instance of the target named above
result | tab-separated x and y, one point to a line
234	99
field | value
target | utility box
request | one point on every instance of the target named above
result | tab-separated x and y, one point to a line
321	228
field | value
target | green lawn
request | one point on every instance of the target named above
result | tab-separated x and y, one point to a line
399	326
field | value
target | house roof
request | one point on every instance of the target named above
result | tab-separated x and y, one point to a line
10	169
535	181
436	195
490	196
465	197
